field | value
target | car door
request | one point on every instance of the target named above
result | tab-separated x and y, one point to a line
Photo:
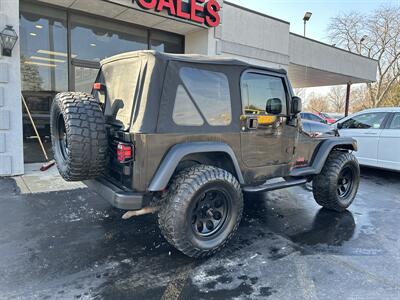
266	140
389	144
366	129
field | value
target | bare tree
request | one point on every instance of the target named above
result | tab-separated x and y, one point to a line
376	36
317	103
300	92
337	98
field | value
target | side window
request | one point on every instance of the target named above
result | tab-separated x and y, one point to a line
258	88
204	94
365	121
395	124
185	113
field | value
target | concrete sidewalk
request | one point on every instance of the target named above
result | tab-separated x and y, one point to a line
35	181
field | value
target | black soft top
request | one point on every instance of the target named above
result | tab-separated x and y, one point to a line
150	108
189	58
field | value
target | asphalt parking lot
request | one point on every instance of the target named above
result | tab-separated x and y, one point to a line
69	244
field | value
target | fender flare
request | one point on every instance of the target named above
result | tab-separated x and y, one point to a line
178	152
322	153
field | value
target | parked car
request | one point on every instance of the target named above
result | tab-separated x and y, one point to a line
317	129
336	116
330	118
177	134
378	134
312	117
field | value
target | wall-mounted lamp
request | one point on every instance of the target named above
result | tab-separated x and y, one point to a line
8	38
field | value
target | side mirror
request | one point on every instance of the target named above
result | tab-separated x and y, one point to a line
274	106
339	125
297	105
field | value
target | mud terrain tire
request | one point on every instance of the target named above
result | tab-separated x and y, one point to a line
195	194
78	136
336	186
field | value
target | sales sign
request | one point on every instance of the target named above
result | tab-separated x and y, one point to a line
199	11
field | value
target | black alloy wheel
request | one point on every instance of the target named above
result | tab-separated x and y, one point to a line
345	182
209	213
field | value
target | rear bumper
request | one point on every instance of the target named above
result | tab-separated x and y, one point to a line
116	196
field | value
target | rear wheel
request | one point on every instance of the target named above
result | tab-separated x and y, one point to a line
337	185
78	136
202	211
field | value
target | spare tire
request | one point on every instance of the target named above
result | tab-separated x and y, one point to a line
78	136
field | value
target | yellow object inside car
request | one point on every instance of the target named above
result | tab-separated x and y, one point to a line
262	119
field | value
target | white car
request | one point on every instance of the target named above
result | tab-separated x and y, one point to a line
377	132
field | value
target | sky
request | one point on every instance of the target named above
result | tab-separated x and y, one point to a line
293	12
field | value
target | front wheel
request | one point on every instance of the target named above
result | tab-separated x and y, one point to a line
202	211
336	186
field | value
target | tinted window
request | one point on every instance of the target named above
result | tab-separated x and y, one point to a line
395	124
258	88
315	118
185	112
209	93
166	42
365	121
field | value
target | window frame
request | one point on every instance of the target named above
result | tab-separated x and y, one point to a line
165	123
286	87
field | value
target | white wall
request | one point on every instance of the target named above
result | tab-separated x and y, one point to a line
319	56
200	42
11	143
254	37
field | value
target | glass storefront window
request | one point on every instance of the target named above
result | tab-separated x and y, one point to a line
92	40
44	58
165	42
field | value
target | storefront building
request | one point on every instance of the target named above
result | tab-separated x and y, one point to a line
61	42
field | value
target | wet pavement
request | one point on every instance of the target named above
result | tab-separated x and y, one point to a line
69	244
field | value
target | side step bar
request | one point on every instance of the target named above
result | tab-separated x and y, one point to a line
274	186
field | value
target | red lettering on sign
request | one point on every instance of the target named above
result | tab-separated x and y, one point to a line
194	8
147	4
179	12
207	14
212	16
168	4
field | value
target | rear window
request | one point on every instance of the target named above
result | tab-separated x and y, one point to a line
121	81
203	97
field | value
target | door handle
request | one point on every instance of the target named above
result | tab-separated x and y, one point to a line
252	123
371	133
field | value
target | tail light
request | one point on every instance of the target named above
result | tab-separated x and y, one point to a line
98	86
124	152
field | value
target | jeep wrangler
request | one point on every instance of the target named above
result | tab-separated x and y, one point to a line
187	135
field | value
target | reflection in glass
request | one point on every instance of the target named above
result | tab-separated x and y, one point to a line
210	92
93	40
43	40
185	113
84	79
257	89
165	42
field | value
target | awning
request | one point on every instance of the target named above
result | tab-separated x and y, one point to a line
313	64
